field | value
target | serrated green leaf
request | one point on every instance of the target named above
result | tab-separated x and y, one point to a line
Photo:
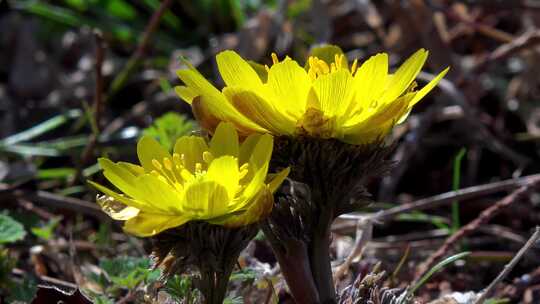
128	272
180	288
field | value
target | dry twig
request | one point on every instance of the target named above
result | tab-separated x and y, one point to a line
458	195
135	59
483	218
508	267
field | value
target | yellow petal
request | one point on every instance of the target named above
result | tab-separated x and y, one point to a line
120	177
206	200
134	169
149	224
258	166
259	111
225	141
224	171
215	104
258	208
186	93
428	87
158	194
198	85
123	199
116	209
404	76
379	124
149	149
262	152
204	116
277	179
335	91
290	84
192	147
246	149
235	71
369	80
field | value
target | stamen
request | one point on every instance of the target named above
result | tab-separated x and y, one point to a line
198	168
312	74
186	175
168	164
177	159
178	187
207	157
275	59
155	173
267	68
354	66
323	66
244	169
156	164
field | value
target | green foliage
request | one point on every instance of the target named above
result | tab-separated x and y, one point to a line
103	300
233	300
10	230
169	127
456	181
22	292
46	231
436	268
245	274
180	288
128	272
6	265
497	301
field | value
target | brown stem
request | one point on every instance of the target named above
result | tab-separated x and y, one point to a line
294	262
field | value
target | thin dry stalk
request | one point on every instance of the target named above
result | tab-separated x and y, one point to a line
508	267
483	218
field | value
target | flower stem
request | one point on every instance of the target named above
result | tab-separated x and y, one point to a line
320	261
294	262
214	284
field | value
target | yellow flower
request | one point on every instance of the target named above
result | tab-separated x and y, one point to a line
220	182
357	105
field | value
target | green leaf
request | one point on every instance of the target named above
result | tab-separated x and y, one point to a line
180	288
55	173
103	300
22	292
41	128
436	268
168	128
128	272
234	300
245	274
121	9
10	230
45	232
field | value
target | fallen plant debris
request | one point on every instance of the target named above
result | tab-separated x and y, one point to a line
437	208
